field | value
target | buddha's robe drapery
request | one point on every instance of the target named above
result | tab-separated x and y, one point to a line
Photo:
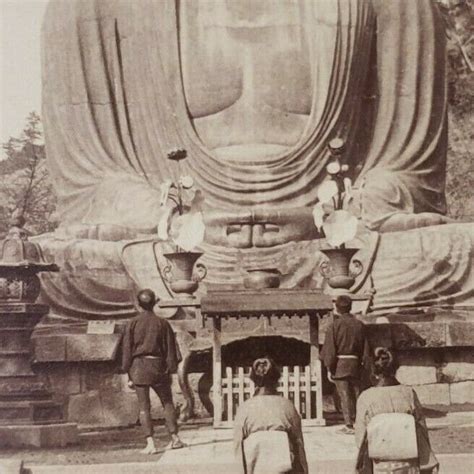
420	267
114	105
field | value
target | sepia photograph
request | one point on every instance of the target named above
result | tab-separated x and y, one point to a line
236	236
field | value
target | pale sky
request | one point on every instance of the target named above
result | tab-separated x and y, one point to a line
20	78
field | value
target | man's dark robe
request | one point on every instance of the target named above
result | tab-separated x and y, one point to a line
149	335
346	336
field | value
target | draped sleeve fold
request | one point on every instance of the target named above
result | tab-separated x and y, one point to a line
404	170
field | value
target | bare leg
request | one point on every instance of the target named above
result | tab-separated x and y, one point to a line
204	390
343	388
187	410
143	394
163	390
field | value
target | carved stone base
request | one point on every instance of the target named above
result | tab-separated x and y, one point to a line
38	436
28	414
29	411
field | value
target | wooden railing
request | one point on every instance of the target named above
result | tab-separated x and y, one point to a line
297	385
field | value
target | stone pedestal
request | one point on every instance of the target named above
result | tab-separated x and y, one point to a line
29	417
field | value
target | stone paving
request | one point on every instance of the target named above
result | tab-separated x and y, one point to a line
207	443
209	451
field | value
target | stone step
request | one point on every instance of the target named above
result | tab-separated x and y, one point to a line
450	464
13	365
27	386
29	411
38	436
15	353
11	466
14	338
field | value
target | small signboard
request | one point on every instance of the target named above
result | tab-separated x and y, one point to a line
100	327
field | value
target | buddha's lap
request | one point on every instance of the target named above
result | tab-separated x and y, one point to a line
425	266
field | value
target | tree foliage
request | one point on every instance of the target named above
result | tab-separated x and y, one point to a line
25	186
459	20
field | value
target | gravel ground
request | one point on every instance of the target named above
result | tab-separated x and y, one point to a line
452	440
114	446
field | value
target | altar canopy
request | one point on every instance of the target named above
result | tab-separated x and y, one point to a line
114	105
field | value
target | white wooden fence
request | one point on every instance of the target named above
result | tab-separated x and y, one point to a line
297	385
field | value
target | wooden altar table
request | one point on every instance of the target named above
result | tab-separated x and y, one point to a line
274	303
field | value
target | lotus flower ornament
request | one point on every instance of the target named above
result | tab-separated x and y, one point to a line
185	230
331	215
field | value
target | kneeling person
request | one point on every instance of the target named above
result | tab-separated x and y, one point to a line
267	430
150	355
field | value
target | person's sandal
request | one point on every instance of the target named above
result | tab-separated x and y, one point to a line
149	450
178	444
346	430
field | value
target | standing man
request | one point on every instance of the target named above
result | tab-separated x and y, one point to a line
150	355
345	351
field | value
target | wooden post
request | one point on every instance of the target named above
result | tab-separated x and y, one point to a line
217	371
307	381
241	386
315	363
296	379
230	395
286	382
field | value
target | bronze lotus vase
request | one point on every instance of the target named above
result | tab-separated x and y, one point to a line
341	270
183	273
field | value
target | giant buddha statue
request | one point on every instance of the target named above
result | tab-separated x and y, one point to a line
254	91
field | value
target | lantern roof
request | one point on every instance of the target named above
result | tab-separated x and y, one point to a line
16	251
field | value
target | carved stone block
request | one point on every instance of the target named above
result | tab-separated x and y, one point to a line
65	380
49	349
92	347
458	372
458	365
29	411
104	408
86	408
14	339
418	335
119	409
11	466
38	436
416	374
462	392
15	366
433	394
461	334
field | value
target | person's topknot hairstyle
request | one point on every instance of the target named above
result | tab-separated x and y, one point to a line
146	299
343	303
265	373
384	362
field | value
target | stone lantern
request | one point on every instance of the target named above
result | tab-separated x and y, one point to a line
28	414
